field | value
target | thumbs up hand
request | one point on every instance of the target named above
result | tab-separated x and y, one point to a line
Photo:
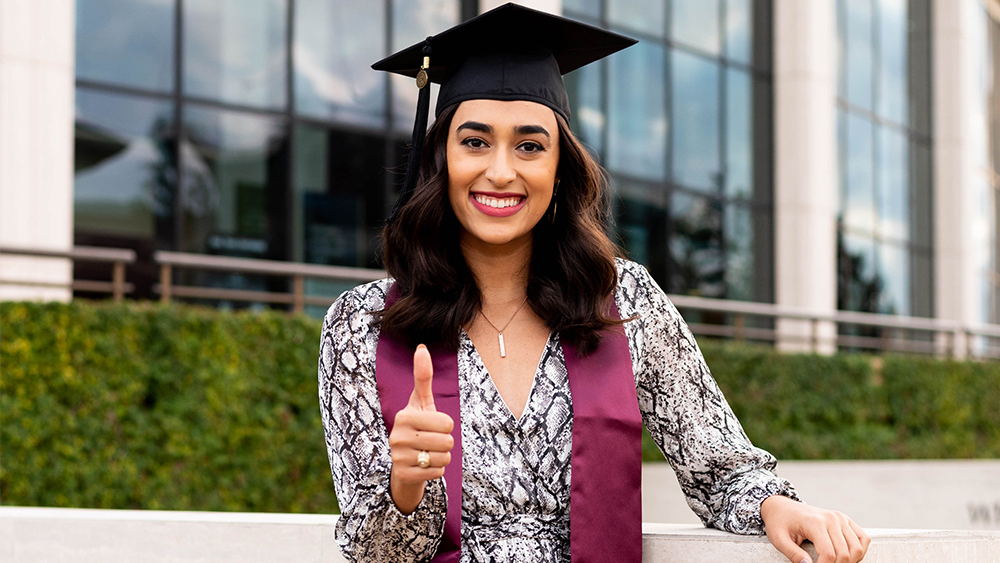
419	433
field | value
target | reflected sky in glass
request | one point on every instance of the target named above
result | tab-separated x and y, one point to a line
696	246
893	48
125	175
234	51
739	134
894	271
695	119
229	163
646	16
859	191
859	62
893	185
126	42
696	23
412	22
739	30
586	116
637	121
590	8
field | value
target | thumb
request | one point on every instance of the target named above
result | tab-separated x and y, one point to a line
784	543
423	374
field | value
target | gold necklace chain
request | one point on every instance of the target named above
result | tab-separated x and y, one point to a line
503	350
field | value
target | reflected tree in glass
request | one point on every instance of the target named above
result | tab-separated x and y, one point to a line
696	246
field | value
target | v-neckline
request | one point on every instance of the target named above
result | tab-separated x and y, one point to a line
534	377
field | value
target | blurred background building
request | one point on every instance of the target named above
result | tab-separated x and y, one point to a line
828	154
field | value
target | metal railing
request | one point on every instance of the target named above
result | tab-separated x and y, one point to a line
892	333
117	257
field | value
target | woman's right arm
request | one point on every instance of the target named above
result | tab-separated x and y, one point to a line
370	528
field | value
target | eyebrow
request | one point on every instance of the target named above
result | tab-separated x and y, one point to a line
518	130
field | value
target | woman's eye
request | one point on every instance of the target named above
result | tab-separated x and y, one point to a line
532	147
474	143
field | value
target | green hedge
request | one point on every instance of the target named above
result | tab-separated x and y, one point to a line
143	406
855	406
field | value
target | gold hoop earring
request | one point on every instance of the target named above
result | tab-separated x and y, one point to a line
555	203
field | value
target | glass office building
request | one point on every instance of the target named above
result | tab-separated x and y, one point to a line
256	128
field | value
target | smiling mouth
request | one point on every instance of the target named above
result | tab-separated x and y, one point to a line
497	202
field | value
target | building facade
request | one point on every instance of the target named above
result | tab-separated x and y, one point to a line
830	154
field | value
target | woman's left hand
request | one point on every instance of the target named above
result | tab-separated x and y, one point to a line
788	523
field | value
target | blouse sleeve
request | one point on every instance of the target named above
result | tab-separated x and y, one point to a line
724	477
370	527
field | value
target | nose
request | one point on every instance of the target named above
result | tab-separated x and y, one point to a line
500	173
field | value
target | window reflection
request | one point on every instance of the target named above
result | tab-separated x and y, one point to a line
893	41
637	122
696	246
695	118
412	22
894	271
591	8
858	65
642	223
339	203
858	210
739	135
646	16
234	51
739	30
124	180
696	23
235	165
335	43
127	42
738	234
859	288
586	113
893	185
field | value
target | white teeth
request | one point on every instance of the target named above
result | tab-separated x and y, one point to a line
497	203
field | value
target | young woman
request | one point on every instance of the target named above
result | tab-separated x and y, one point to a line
515	437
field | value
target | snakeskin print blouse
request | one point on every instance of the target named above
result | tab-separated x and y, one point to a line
516	472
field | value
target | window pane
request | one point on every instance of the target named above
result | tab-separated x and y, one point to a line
128	42
234	51
125	162
637	122
587	115
235	169
892	42
739	135
695	118
696	23
590	8
894	273
858	288
858	210
698	260
860	86
739	240
642	224
739	29
339	200
412	22
893	185
641	15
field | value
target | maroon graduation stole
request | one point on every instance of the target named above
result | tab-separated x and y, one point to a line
606	463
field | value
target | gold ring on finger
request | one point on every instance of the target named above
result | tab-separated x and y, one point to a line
423	459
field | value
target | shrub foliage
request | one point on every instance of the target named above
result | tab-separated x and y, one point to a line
182	408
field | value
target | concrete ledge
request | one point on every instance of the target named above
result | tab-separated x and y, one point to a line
55	535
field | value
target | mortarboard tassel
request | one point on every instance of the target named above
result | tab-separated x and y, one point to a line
419	131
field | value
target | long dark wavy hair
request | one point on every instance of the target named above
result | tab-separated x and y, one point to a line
572	272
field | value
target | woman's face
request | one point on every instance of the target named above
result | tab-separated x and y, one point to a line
502	162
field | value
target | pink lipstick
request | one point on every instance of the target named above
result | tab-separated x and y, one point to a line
497	205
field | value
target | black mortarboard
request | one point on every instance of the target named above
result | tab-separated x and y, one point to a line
508	53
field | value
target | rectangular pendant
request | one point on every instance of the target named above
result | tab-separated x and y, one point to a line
503	351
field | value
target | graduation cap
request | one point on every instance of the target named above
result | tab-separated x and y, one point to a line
508	53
